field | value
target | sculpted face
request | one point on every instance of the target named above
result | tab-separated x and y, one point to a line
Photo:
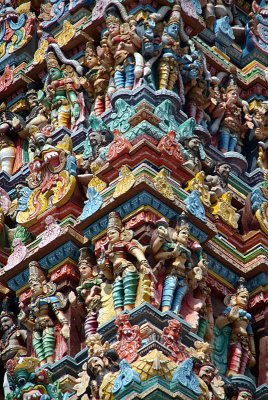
113	235
233	95
207	373
95	138
54	74
242	299
36	288
183	236
173	30
32	100
85	270
224	170
92	60
6	322
194	144
114	28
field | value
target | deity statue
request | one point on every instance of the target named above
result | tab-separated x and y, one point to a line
37	117
234	347
45	300
96	372
120	45
170	60
26	380
63	96
210	383
235	120
96	79
173	244
235	393
260	119
96	145
89	301
13	341
196	84
218	182
194	153
115	265
12	133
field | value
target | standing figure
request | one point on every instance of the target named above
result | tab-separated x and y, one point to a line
173	245
232	111
234	347
62	85
88	292
96	79
218	182
193	152
169	64
11	155
119	47
37	117
44	300
115	264
196	84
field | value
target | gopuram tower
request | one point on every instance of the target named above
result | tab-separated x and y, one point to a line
133	200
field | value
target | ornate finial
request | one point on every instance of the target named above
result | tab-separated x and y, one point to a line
114	221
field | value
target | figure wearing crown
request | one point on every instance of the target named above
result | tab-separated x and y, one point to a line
96	80
62	90
234	347
45	301
172	247
119	47
235	118
171	57
115	265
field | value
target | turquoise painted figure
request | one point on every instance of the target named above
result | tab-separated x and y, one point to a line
44	300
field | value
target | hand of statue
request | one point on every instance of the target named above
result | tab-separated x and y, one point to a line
16	123
72	298
65	331
234	313
22	316
162	232
101	51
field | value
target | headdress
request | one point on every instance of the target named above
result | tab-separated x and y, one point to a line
241	287
114	221
85	256
232	84
90	47
28	364
36	274
52	61
175	15
182	222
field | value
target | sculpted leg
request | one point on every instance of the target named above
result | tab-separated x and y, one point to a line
179	294
7	158
164	71
130	282
168	292
118	295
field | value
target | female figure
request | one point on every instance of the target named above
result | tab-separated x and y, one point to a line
44	300
238	351
116	266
